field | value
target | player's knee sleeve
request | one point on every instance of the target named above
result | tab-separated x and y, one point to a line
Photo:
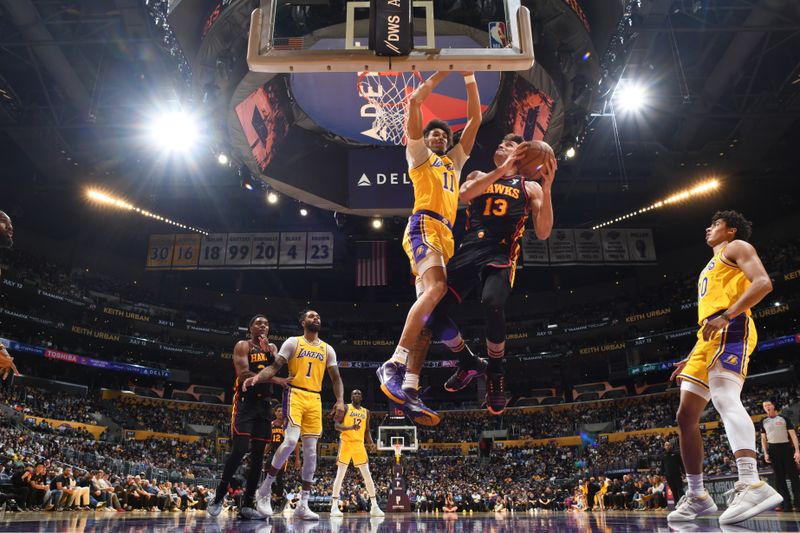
309	459
286	448
367	475
726	389
337	483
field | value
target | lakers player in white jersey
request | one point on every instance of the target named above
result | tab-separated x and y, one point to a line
354	441
307	357
434	165
730	284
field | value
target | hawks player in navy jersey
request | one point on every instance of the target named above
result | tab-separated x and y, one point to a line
500	203
252	413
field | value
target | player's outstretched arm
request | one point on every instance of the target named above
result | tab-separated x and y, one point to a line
746	258
265	375
414	115
477	182
474	115
541	203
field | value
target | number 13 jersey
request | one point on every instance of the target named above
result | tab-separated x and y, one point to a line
496	219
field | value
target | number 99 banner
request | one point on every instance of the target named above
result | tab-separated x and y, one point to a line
240	250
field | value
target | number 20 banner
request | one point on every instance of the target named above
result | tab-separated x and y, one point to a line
240	250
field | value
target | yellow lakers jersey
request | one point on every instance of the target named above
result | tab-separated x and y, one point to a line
307	365
358	418
721	283
436	186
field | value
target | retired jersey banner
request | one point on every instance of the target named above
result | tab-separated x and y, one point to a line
590	247
296	249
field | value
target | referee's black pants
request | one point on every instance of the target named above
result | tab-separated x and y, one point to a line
783	465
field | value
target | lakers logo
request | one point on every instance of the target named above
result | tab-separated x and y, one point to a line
421	251
732	360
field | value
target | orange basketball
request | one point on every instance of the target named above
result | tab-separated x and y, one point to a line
533	160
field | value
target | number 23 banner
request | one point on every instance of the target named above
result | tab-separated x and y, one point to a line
240	251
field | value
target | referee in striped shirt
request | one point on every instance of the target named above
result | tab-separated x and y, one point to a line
777	438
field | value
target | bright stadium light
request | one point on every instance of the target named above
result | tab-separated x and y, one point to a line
630	96
272	197
174	131
681	196
303	212
570	152
103	198
377	223
223	159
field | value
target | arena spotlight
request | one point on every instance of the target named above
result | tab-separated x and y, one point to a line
570	153
223	159
103	198
272	197
682	196
377	223
303	212
630	96
174	131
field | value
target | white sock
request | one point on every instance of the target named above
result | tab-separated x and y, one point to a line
748	471
304	497
374	501
411	381
334	502
695	482
400	355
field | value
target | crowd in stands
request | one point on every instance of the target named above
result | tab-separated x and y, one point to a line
59	279
50	404
167	417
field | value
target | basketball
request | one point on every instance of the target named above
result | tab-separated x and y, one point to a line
533	160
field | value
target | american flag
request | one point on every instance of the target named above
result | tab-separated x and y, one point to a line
287	43
371	263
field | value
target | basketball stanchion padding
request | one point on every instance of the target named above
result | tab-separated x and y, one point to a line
390	30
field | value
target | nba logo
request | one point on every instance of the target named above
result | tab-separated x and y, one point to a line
497	35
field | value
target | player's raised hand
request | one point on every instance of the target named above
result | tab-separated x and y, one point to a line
262	342
548	172
466	73
678	368
509	166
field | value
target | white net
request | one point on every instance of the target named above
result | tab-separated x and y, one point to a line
388	94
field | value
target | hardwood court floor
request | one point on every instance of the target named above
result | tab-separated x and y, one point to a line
395	523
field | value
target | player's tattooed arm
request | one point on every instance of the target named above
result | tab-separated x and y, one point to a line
339	408
268	374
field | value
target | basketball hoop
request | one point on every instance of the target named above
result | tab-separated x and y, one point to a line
388	93
398	450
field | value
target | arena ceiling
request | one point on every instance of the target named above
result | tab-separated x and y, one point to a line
79	78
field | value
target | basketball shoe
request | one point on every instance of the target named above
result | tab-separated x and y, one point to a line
465	373
214	507
417	411
249	513
303	512
264	505
375	511
690	507
496	400
335	511
391	375
746	500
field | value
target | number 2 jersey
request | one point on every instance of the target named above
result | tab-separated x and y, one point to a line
495	224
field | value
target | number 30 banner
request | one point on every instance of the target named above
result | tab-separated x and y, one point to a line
240	250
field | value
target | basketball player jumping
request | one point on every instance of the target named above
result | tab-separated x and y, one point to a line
307	357
353	432
500	202
252	413
732	282
435	171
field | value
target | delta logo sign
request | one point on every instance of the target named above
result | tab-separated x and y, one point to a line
332	100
